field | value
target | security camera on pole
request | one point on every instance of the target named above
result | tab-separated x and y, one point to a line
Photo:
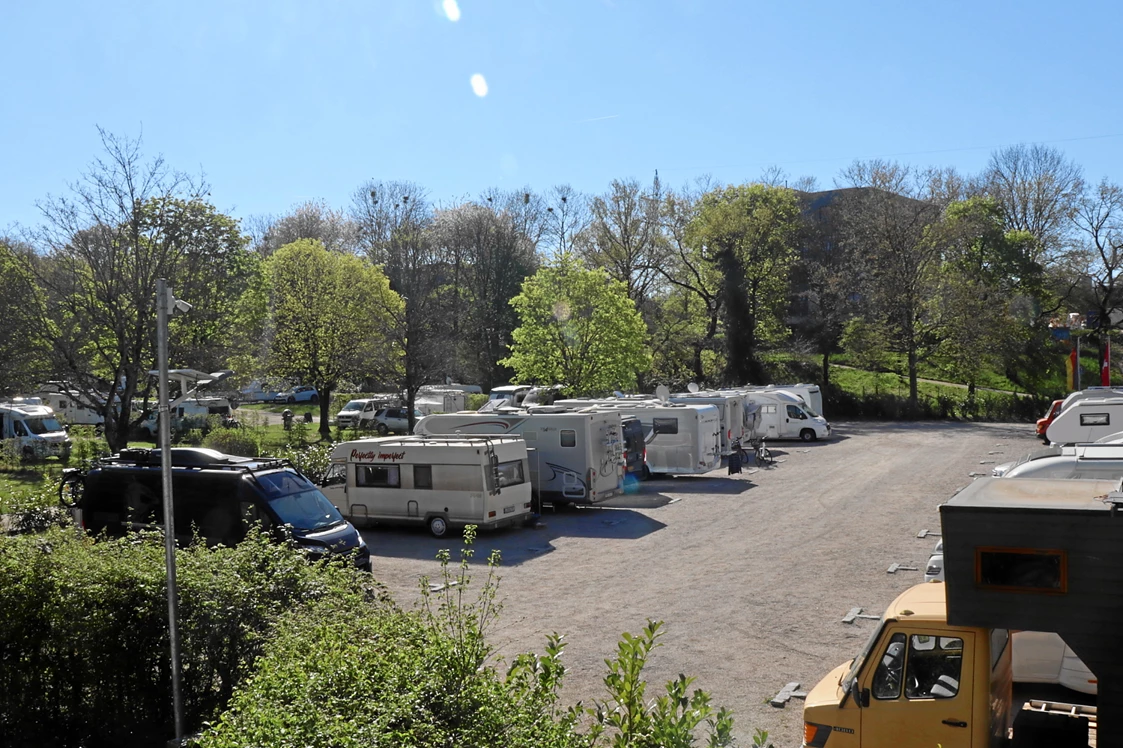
167	305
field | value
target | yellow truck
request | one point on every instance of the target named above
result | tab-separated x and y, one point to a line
1035	555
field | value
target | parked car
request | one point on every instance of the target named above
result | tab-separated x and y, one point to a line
389	420
303	394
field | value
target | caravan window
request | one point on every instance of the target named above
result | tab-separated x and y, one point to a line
377	476
422	476
664	425
1095	419
511	473
1021	569
768	409
568	438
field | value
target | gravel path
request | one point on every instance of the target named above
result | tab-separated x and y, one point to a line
751	574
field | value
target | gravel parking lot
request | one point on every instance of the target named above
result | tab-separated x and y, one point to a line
751	574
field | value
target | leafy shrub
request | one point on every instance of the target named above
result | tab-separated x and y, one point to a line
235	441
312	460
84	654
474	400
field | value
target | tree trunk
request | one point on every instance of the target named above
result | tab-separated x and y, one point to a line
913	394
826	368
325	408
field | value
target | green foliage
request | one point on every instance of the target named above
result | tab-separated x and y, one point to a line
578	328
474	400
311	459
234	441
865	343
23	348
83	631
668	720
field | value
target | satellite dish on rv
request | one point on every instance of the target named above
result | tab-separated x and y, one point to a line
693	387
617	394
663	393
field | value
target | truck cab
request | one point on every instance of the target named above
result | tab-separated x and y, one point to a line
917	682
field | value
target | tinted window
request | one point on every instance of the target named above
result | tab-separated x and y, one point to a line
378	476
665	425
422	476
568	438
1021	569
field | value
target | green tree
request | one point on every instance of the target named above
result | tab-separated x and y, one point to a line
331	315
578	328
748	233
23	347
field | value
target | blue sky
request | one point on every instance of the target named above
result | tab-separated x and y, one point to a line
281	102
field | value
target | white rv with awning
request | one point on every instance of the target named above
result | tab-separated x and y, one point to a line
441	482
578	457
681	439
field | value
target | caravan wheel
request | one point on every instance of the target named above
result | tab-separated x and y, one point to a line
807	435
438	526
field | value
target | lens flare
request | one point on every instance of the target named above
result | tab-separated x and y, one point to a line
479	85
451	9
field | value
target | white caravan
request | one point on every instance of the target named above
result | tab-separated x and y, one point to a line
578	458
1088	461
67	406
509	394
680	439
440	399
1086	420
811	395
731	412
35	429
785	416
440	482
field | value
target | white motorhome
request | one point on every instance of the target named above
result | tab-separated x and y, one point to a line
512	394
1086	420
811	394
440	399
681	439
440	482
68	406
785	416
731	412
35	429
1089	461
189	414
578	459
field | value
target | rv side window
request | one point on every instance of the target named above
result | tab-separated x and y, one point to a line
1095	419
511	473
664	425
377	476
568	438
1021	570
768	409
422	476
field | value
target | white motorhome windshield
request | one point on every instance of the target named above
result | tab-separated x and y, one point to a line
354	405
43	425
298	503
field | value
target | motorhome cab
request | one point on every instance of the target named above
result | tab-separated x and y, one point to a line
35	429
1086	420
681	439
511	394
785	416
578	456
439	482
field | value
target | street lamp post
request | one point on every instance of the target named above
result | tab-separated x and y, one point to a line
166	305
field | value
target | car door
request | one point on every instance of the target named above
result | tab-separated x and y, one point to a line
920	690
794	418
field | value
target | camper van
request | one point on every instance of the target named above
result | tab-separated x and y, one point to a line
441	482
579	457
35	429
731	412
1086	420
785	416
811	394
681	439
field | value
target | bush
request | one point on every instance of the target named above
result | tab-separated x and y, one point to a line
84	654
235	441
474	400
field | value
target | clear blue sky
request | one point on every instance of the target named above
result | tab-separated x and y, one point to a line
279	102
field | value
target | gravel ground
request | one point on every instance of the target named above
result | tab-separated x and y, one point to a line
751	574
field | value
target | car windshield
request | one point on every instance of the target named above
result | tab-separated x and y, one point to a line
856	663
298	503
43	425
354	405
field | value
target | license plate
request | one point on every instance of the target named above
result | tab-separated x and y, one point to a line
508	509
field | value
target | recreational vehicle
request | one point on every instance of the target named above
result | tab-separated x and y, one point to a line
731	413
35	429
785	416
441	482
579	457
511	394
1086	420
681	439
67	405
811	394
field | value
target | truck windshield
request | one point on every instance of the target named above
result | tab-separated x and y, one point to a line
354	405
43	425
298	503
856	665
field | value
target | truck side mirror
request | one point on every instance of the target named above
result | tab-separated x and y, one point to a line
860	695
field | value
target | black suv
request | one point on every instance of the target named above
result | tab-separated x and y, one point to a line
217	495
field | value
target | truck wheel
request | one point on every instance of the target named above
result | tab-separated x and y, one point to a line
646	474
807	435
438	526
383	431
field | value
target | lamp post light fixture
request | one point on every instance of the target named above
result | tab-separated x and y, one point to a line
166	306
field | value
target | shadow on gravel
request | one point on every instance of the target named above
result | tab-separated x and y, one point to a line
708	484
517	544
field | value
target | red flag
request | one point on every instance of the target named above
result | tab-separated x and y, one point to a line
1105	370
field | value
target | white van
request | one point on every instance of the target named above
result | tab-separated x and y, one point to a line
441	482
785	416
35	429
731	412
579	457
1086	420
680	439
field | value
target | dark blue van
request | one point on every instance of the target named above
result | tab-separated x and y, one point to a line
216	495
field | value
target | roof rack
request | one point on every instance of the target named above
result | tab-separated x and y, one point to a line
199	458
